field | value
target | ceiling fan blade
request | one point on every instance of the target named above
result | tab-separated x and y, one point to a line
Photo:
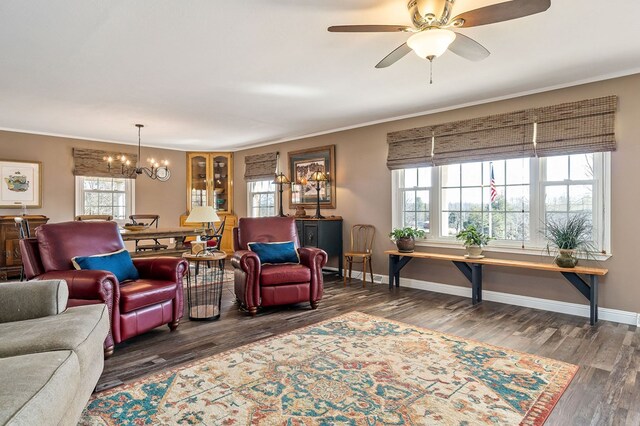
369	28
399	53
500	12
468	48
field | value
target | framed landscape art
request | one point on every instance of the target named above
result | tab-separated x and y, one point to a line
301	165
20	184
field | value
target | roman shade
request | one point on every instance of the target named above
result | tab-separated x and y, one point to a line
93	162
260	166
569	128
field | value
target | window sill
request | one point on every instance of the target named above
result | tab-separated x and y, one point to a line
529	251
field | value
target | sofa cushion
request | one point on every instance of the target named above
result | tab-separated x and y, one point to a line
119	263
38	389
276	253
284	274
138	294
81	329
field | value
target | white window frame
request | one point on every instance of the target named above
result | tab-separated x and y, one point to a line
536	245
130	191
250	194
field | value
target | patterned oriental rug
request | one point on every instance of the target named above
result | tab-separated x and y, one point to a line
355	369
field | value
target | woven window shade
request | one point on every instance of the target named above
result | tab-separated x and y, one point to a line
577	127
409	148
570	128
495	137
260	166
92	162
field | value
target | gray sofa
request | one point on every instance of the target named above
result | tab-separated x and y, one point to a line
50	357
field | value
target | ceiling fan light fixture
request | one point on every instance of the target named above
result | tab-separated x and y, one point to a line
432	42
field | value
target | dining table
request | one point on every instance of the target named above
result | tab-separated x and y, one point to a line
178	234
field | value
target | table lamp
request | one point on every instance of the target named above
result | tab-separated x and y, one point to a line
281	180
318	177
205	215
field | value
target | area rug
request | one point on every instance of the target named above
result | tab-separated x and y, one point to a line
354	369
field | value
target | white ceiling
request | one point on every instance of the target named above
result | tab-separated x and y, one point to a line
224	75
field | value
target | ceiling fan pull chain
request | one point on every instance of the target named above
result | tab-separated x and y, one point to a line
430	58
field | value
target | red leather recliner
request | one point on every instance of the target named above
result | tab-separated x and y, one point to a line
135	307
269	285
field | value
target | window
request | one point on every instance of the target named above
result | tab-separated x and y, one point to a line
414	192
261	198
525	193
104	195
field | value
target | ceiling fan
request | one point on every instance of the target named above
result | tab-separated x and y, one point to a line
432	24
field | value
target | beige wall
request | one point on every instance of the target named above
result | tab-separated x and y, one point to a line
58	203
364	195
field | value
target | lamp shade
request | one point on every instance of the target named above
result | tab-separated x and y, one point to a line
281	178
318	177
431	42
202	214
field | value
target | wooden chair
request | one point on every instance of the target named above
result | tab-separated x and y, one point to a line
360	251
153	219
87	217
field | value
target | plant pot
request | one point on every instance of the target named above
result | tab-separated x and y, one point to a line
474	251
406	245
566	258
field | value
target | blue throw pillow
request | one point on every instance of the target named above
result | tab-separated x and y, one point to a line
275	253
119	263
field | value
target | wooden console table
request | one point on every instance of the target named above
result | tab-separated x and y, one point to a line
179	234
472	270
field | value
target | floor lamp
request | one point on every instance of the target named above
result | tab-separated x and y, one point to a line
318	177
281	180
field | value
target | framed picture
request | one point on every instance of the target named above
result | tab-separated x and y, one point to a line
302	164
20	184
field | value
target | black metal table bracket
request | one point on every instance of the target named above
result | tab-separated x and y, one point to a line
590	291
473	273
396	263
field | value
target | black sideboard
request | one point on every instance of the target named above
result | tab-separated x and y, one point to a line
322	233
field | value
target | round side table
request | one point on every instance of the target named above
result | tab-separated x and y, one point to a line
204	285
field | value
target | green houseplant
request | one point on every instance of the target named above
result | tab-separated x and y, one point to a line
405	238
569	238
473	240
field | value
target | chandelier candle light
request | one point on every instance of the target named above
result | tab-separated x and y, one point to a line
154	171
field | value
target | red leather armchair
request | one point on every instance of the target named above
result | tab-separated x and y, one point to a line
135	307
269	285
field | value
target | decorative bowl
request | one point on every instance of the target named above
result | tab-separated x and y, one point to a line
135	227
218	191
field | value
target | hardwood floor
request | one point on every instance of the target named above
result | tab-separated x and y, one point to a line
605	391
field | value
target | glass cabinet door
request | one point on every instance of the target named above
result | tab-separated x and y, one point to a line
221	179
198	194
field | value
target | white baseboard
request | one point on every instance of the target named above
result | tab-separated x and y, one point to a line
607	314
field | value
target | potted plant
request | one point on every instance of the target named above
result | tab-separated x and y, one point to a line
405	238
473	241
569	238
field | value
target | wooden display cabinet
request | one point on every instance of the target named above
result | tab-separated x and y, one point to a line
11	259
210	183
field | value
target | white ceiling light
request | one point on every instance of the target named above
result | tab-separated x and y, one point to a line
430	44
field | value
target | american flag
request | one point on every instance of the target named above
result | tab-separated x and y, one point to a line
494	191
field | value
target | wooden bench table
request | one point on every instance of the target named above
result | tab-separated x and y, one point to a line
472	270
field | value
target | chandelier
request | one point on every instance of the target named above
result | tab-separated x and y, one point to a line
156	170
